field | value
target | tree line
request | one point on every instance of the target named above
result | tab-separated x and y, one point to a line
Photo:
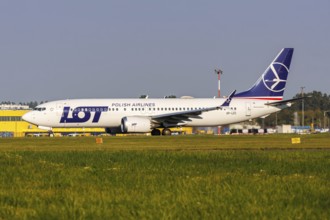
316	108
31	104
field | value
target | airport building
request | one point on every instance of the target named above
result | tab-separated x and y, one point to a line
11	123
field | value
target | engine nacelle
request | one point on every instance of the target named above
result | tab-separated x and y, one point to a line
135	124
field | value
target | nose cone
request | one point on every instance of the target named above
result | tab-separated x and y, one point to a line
29	117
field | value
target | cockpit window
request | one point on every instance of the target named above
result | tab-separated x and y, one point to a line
40	109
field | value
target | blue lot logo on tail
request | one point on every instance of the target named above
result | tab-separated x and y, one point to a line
275	77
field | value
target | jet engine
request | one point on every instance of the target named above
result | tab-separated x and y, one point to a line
135	124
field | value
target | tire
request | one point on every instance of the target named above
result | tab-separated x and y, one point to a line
155	132
166	132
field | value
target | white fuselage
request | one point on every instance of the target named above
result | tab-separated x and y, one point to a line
109	112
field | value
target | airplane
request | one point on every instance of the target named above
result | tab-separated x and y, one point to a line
149	115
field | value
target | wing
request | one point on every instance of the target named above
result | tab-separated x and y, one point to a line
181	118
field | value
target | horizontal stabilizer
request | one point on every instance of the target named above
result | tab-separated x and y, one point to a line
288	101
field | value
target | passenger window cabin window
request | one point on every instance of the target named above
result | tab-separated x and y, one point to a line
40	109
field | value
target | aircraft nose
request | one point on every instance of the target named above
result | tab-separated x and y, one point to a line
28	117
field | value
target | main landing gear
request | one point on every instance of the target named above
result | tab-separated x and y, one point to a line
155	132
165	132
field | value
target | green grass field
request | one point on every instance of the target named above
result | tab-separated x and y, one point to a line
189	177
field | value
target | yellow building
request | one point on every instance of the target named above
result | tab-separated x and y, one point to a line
12	125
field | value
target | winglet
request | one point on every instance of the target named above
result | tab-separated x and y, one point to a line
228	100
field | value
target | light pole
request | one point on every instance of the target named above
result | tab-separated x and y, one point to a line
219	72
302	107
276	120
325	115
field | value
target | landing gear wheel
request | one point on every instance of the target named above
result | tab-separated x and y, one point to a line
51	133
166	132
155	132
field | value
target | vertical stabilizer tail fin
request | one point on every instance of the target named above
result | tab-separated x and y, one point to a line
271	84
